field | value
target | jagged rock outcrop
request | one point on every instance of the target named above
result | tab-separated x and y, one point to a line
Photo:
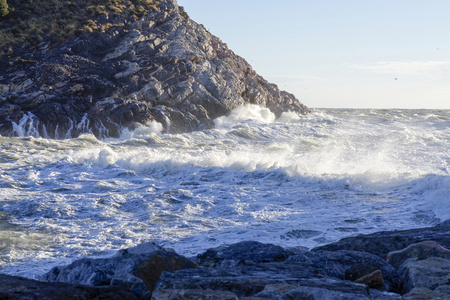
163	67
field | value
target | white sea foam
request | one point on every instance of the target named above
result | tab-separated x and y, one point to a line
289	117
142	131
291	181
244	113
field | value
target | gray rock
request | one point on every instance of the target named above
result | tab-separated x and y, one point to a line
445	289
261	270
346	265
163	67
373	280
382	295
136	269
257	281
194	294
315	289
381	243
428	273
420	250
13	288
425	294
246	252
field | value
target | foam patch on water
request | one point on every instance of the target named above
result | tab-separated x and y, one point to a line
142	131
289	117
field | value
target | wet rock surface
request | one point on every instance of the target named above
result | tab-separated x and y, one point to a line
17	288
420	250
136	269
382	243
163	67
252	270
429	273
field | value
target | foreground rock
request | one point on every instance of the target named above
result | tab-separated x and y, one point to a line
16	288
425	294
252	270
381	243
136	269
164	67
428	273
420	250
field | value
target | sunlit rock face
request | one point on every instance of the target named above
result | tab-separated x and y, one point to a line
163	67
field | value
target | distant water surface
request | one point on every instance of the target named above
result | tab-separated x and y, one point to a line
292	181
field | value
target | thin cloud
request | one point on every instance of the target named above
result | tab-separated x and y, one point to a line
432	69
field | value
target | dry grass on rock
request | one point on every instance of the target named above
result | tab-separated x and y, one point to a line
32	21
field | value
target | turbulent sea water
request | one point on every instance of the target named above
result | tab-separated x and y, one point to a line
292	181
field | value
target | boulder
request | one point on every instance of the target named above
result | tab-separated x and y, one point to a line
381	243
445	289
424	294
194	294
136	269
21	288
244	252
346	265
316	289
420	250
267	280
428	273
373	280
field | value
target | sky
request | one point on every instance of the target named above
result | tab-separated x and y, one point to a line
340	53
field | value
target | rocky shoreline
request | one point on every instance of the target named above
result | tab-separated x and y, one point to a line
163	67
409	264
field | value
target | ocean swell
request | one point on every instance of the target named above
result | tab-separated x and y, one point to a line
292	181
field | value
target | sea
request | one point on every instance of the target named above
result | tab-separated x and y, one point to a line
294	181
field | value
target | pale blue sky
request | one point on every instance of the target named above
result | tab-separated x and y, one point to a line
340	53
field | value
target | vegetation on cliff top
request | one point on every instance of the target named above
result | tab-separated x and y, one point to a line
32	21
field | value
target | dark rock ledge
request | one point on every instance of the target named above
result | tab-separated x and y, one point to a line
412	264
163	67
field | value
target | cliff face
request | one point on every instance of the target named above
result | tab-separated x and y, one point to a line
163	67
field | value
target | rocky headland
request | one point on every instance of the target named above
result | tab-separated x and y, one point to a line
156	64
126	72
409	264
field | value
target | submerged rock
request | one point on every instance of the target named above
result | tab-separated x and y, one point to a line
163	67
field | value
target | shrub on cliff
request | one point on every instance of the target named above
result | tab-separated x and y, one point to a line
4	9
31	21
